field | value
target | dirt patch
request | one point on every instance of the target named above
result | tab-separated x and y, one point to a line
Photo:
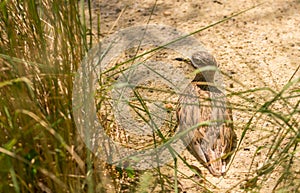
260	48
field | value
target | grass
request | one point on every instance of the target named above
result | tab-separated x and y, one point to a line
42	46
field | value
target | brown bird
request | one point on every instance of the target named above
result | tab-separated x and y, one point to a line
205	105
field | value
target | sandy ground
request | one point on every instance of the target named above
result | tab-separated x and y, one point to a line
260	48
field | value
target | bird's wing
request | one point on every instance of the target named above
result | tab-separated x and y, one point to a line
227	134
189	114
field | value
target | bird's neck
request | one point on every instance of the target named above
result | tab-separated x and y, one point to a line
202	78
204	82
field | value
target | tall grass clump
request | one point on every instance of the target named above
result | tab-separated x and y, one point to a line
42	45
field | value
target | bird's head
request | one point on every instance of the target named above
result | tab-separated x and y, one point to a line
202	59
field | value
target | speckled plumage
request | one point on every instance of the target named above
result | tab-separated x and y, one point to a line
201	103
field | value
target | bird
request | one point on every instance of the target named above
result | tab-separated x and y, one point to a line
202	111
